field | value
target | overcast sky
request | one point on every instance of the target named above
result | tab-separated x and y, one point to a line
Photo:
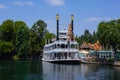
87	13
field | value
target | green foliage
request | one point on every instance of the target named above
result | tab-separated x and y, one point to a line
6	30
87	37
22	37
6	48
6	39
94	37
101	34
14	37
15	57
37	35
108	33
49	36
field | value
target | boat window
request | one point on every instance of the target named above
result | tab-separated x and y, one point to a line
107	56
72	46
55	45
63	46
69	54
64	39
58	45
55	55
62	34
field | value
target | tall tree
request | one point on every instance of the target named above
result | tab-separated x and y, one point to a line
6	39
22	38
37	37
109	34
94	37
87	36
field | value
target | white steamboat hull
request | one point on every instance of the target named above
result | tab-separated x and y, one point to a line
64	61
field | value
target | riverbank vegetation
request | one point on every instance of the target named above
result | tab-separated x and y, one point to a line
108	33
19	41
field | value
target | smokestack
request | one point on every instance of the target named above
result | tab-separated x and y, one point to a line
72	19
57	18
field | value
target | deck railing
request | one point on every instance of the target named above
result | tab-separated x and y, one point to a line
61	50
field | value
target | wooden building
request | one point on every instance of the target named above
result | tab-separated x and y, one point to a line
96	46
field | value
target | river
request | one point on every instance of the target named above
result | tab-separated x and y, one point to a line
36	70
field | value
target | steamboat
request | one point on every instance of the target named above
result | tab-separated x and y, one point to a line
63	49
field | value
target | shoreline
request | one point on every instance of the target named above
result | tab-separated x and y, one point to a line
117	63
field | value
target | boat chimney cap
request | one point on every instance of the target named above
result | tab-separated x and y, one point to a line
57	16
72	17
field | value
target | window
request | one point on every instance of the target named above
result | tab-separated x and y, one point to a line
63	46
72	46
58	45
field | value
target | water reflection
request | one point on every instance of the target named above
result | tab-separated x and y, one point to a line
80	72
28	70
60	71
20	70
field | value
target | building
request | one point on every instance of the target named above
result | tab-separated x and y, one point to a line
96	46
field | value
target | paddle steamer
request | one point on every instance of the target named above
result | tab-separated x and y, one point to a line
64	49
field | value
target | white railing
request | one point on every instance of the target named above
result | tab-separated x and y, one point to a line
61	50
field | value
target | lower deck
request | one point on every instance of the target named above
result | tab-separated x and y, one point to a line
60	56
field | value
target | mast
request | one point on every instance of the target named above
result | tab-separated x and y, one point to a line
57	18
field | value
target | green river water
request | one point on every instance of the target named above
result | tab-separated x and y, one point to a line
36	70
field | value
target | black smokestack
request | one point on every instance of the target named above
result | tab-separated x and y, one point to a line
72	19
57	18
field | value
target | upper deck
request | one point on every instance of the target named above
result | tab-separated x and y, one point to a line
63	40
61	46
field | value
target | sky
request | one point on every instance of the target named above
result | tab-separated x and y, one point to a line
87	13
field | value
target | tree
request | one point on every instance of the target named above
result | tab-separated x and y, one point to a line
102	33
6	48
6	39
7	30
86	37
49	36
22	38
17	39
14	38
108	33
37	37
94	37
